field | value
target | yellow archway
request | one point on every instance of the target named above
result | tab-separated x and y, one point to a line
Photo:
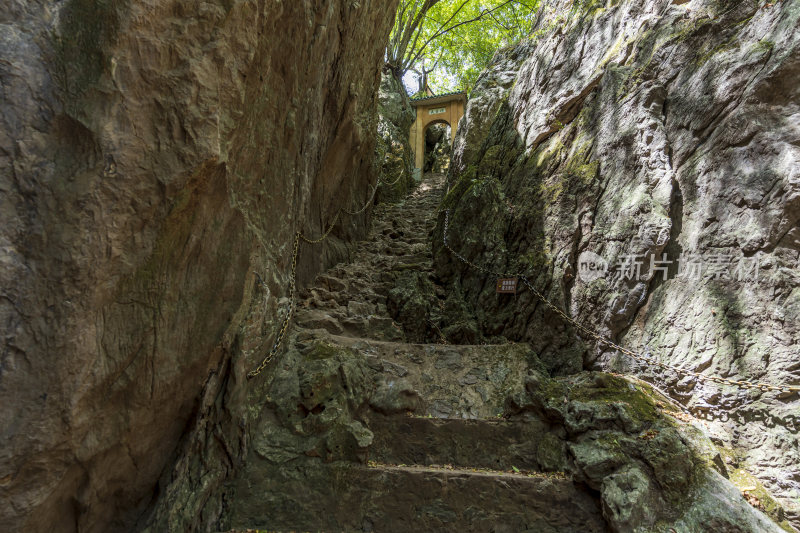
443	108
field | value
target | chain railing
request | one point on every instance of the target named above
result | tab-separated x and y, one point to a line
293	277
285	325
587	332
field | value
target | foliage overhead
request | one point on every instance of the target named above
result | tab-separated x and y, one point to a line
447	43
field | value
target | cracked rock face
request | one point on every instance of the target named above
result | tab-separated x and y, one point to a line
393	154
154	155
626	135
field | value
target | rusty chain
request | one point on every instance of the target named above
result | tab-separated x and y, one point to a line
587	332
285	325
293	278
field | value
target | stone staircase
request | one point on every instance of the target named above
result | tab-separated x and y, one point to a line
358	429
351	298
435	453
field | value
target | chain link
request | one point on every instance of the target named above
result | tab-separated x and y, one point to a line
600	339
285	325
371	198
293	278
327	232
586	332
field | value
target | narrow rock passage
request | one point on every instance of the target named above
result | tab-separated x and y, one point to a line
413	440
347	307
356	428
350	299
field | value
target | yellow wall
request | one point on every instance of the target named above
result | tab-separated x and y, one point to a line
453	113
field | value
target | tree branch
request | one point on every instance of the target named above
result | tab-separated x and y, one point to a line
439	33
416	39
414	22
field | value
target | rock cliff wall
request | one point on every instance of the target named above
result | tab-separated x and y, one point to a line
632	130
156	159
394	157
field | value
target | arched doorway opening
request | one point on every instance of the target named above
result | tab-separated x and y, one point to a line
443	108
438	146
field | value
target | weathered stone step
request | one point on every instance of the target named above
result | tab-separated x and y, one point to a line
420	261
334	322
319	319
452	381
490	443
322	299
331	283
345	497
373	327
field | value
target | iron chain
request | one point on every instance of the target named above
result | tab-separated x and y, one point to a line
285	325
600	339
293	278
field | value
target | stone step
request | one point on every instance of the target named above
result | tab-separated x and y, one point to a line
452	381
383	498
358	308
331	283
422	261
352	328
527	445
373	327
321	297
322	319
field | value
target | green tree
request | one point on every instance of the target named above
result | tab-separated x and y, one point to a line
448	42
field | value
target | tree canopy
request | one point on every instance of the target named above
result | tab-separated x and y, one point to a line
447	43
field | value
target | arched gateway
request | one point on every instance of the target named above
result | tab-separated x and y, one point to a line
437	109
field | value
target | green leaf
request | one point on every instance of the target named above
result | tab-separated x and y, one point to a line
449	42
